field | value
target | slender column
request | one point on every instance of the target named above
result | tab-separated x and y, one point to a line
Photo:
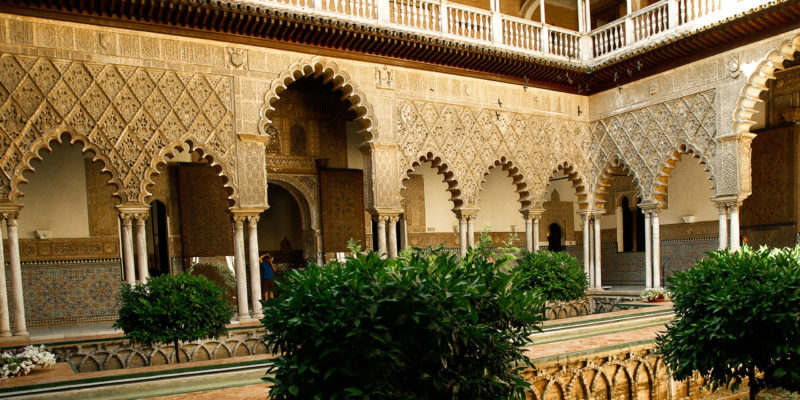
238	256
320	253
127	248
470	231
141	246
620	235
656	250
536	233
545	38
392	233
528	233
5	326
587	259
20	328
381	235
597	264
255	267
723	225
648	251
587	16
462	235
403	233
581	17
733	210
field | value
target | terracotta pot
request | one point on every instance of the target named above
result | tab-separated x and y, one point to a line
657	300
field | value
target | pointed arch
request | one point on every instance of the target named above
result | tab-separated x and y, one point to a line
44	143
442	169
757	83
167	152
661	181
521	186
330	73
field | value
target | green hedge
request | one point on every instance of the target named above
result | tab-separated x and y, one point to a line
737	315
423	326
557	275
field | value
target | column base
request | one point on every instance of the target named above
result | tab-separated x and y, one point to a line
5	334
245	319
257	316
22	334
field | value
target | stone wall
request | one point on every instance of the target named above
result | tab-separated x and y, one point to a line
634	372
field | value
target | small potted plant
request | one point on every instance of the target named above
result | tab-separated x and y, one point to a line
654	295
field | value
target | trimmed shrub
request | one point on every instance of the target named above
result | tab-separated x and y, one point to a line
422	326
220	275
173	308
737	316
557	275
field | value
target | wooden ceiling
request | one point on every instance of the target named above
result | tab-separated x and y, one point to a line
236	23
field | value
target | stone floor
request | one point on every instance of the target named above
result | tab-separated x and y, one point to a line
250	392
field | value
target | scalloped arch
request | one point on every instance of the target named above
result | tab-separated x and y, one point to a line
330	72
757	83
661	181
521	186
44	143
189	144
575	177
602	183
442	169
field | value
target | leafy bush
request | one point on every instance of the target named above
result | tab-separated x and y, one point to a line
171	308
219	274
422	326
737	316
557	275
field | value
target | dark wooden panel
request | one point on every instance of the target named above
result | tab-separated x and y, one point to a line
342	203
206	229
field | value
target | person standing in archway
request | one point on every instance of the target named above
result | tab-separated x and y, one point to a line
267	275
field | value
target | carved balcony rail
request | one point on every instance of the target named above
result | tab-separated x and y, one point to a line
661	20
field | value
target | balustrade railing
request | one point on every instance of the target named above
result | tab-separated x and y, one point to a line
441	17
418	14
522	34
608	38
650	21
468	22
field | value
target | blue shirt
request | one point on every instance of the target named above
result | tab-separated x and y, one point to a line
267	270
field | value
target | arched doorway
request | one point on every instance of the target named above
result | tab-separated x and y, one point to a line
554	237
280	230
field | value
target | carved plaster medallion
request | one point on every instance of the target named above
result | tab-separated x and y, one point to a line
237	58
733	66
384	78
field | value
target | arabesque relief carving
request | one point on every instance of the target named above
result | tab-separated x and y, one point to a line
468	141
131	117
645	139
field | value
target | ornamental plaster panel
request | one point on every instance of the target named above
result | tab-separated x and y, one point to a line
130	117
465	142
646	140
253	174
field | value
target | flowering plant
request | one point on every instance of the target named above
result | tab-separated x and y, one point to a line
21	362
654	294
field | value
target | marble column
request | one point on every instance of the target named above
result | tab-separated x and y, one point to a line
127	248
587	259
733	210
462	235
598	281
648	251
528	233
20	329
381	234
656	249
141	246
536	233
391	231
320	251
470	230
723	225
255	267
5	326
241	274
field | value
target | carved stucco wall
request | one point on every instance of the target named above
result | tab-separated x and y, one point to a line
467	141
130	117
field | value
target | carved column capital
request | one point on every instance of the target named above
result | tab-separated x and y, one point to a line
140	218
252	221
532	213
650	208
467	214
